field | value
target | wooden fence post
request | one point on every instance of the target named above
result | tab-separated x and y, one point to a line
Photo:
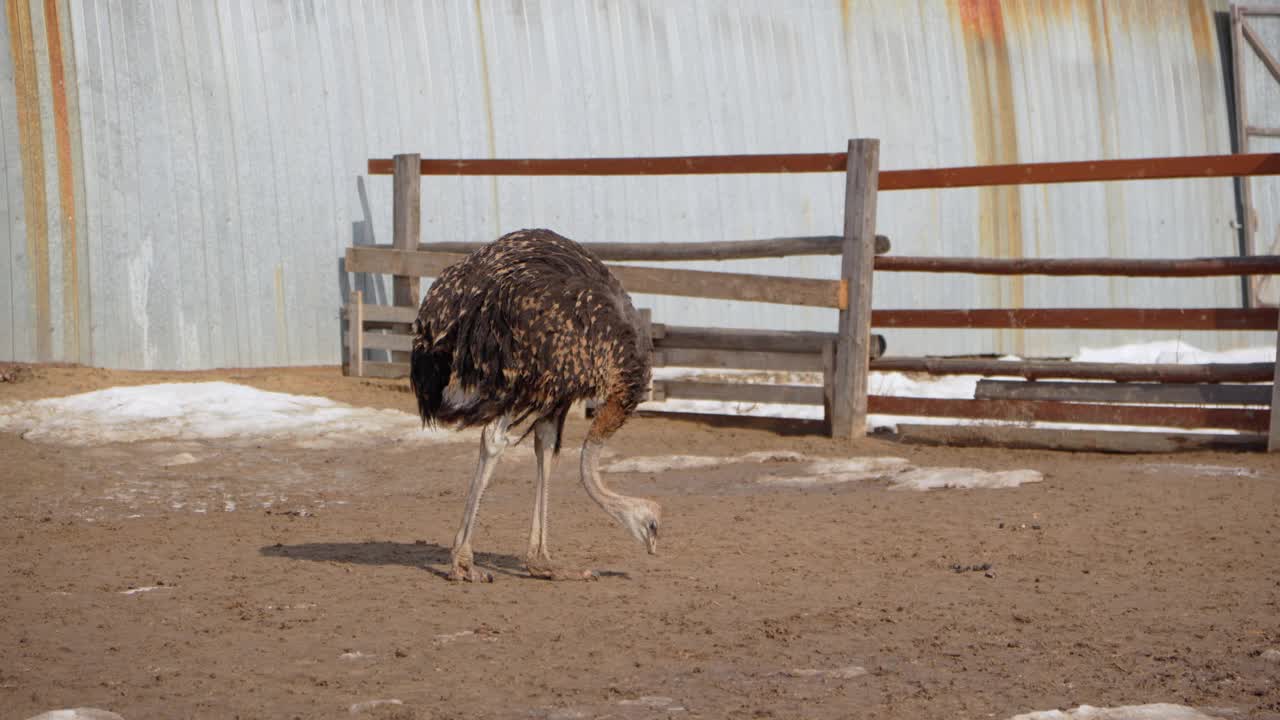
406	226
1273	436
853	344
355	333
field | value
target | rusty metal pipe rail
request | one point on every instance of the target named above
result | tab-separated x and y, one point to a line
1195	166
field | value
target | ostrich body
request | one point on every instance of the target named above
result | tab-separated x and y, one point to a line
519	330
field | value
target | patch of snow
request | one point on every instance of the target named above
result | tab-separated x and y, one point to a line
810	471
357	655
450	637
147	588
179	459
967	478
203	411
367	705
654	701
844	673
1154	711
1174	352
840	470
943	386
661	463
82	713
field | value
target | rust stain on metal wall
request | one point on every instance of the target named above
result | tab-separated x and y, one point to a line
26	90
66	187
1201	30
995	137
1104	79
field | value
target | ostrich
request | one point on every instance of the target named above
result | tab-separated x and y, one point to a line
519	330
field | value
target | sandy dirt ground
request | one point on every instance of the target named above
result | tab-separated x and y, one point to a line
279	582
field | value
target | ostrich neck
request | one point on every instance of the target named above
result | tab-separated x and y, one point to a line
610	501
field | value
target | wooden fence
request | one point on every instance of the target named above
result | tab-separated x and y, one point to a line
1220	396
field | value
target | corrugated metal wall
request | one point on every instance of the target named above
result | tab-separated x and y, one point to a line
190	206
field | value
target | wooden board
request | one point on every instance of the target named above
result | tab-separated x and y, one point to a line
740	392
388	341
1238	165
389	314
1140	393
657	281
737	359
1125	267
1081	318
1061	369
1046	411
1106	441
715	250
687	336
386	370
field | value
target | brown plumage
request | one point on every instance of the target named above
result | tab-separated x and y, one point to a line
519	330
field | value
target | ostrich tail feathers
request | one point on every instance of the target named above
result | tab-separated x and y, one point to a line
428	376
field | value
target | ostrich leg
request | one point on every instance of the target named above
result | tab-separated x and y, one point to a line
493	440
538	559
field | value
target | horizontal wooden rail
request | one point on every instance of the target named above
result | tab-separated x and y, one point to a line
389	314
801	341
1081	318
386	370
1133	393
387	341
737	359
738	392
679	251
1076	440
1124	267
1049	411
731	339
1201	166
657	281
1119	372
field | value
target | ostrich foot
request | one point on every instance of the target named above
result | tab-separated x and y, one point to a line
543	569
464	571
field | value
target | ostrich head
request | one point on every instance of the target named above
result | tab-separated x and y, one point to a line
641	517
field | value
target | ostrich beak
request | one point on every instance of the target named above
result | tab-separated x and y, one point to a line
652	544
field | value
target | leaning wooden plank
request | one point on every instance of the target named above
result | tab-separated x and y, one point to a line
1082	318
1126	267
388	341
741	392
389	314
657	281
1120	372
1047	411
1140	393
1105	441
737	359
386	370
679	251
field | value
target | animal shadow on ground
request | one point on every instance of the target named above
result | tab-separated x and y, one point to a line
428	556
